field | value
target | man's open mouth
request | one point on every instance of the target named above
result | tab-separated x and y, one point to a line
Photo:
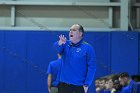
71	35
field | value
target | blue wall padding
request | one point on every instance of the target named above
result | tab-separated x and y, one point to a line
101	43
2	64
25	55
15	70
124	52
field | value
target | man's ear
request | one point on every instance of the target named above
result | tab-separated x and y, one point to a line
81	34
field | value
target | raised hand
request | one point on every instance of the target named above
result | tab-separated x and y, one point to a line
62	40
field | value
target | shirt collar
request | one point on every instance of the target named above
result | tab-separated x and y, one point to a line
77	44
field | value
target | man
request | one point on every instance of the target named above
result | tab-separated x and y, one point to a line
78	66
126	82
53	75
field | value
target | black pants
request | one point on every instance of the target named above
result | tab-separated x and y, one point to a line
69	88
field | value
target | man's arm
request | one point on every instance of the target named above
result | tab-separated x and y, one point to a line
49	77
49	80
91	63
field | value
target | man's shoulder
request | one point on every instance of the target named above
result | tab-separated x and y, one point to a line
86	44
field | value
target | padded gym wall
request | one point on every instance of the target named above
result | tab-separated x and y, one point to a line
25	55
124	52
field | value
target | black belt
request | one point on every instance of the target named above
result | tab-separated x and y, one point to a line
65	84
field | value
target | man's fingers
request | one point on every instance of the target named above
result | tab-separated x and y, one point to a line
62	38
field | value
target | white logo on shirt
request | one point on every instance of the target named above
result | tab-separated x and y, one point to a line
78	50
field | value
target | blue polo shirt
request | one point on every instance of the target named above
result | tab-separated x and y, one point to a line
128	88
125	89
54	70
78	66
131	84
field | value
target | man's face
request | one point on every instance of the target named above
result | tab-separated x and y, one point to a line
122	81
106	85
109	84
74	34
102	84
96	83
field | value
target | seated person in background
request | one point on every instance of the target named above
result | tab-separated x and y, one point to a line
102	84
112	84
126	82
117	86
97	85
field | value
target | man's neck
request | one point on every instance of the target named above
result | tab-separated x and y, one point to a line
128	81
77	41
